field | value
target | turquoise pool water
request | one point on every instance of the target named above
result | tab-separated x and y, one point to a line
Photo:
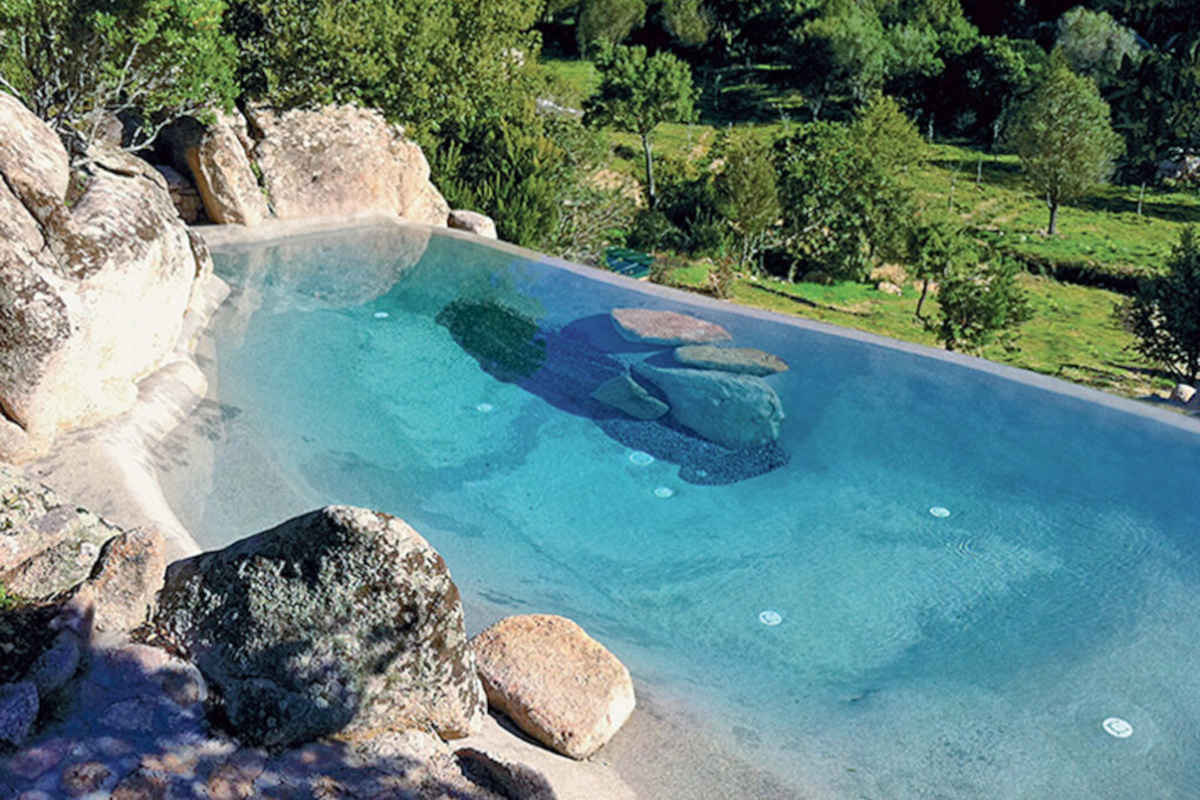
969	655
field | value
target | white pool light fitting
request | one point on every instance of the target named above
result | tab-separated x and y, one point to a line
940	512
770	618
1115	726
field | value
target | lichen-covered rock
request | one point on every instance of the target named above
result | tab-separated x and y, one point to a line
747	360
558	684
92	295
124	580
626	394
472	222
342	619
46	546
735	411
667	328
342	161
18	710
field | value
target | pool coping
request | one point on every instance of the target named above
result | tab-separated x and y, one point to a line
222	236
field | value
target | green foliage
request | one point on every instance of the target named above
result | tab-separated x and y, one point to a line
1164	315
1156	108
426	64
505	342
1064	137
748	199
6	599
844	51
607	22
637	92
77	62
937	248
510	169
979	304
1095	44
888	135
688	21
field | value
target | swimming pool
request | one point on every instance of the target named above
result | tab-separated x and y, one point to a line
944	579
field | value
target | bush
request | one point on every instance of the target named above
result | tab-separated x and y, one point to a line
1164	315
427	64
979	304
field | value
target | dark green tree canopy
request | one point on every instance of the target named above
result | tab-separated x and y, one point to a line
1164	315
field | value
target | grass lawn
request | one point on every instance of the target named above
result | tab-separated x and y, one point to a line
1072	335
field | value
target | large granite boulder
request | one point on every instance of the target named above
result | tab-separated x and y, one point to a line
342	161
220	167
666	328
735	411
558	684
119	592
342	619
730	359
92	294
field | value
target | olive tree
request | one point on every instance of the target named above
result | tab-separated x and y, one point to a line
78	63
1164	314
1063	135
637	92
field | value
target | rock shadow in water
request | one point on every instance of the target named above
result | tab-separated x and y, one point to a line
564	367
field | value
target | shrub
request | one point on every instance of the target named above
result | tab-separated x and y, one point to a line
1164	315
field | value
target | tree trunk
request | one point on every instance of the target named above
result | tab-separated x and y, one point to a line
649	169
921	299
1053	217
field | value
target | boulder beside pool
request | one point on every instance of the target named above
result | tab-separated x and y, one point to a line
747	360
667	328
735	411
342	620
558	684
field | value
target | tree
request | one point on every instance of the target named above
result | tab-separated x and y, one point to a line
428	65
1095	44
637	92
979	303
748	198
607	22
842	52
842	207
77	63
1164	314
1064	137
937	248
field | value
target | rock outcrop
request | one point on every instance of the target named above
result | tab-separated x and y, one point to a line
666	328
746	360
92	292
558	684
342	161
735	411
473	222
220	167
342	619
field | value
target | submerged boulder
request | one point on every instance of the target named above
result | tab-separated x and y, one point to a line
558	684
730	359
667	328
342	619
735	411
624	393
